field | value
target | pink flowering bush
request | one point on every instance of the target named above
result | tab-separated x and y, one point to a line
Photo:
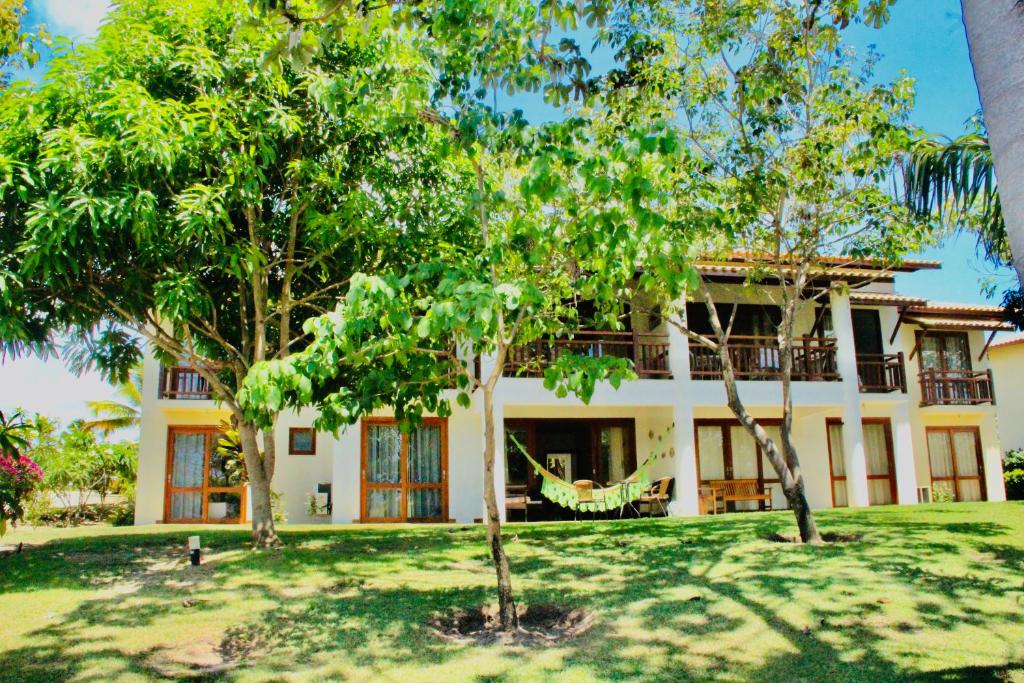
19	475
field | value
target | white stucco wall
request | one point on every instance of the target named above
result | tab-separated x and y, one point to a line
1008	365
655	405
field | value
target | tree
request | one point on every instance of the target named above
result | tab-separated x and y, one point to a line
790	146
164	184
955	180
19	474
17	47
112	416
993	28
404	340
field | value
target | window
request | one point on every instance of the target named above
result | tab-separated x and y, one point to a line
954	456
878	453
202	485
945	351
726	451
301	441
404	476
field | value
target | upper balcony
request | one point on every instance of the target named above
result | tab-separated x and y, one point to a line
881	373
956	387
648	351
757	358
183	383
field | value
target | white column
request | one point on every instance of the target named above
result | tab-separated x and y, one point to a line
992	459
499	458
903	455
685	462
853	430
684	450
346	475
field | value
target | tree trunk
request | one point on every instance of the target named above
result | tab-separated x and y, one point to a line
507	616
793	484
787	467
995	32
263	533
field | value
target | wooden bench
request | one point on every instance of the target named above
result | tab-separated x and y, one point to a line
739	490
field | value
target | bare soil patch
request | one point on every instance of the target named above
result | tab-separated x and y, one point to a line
538	625
827	537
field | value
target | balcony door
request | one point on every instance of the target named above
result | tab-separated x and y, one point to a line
954	456
201	487
404	476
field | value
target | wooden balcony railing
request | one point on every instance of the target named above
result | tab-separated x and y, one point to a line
881	372
649	352
184	384
757	358
956	387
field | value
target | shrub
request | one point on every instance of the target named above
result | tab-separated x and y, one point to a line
1013	474
19	474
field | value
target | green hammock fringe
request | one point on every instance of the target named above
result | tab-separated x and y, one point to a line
605	499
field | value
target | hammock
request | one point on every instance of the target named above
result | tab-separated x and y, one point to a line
612	497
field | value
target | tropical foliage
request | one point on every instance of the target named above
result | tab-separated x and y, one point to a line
955	181
1013	474
112	416
787	142
19	474
17	46
165	185
78	466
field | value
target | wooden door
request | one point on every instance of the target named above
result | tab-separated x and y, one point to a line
200	487
404	476
954	458
879	461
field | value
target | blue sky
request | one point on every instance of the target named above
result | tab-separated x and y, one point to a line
924	37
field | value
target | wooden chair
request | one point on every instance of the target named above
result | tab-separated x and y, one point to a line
586	492
707	500
517	498
657	496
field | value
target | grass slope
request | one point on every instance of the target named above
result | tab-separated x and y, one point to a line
928	593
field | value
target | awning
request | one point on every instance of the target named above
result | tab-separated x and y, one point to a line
945	323
886	299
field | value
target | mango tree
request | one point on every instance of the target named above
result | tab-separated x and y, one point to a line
168	183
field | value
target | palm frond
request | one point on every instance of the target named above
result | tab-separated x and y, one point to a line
112	409
956	181
111	424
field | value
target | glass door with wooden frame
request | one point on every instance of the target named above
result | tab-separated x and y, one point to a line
878	453
201	486
946	353
954	456
726	451
404	476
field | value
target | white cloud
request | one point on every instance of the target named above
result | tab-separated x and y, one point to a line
73	18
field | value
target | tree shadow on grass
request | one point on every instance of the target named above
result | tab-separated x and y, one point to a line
676	600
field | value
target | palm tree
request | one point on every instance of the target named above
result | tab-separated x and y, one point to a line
114	415
13	434
995	33
956	179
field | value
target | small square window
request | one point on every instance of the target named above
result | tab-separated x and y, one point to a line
301	441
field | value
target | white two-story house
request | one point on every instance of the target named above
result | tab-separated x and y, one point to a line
894	403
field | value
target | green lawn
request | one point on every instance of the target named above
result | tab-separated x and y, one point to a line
928	593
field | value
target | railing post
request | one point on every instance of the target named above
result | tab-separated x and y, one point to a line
902	372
